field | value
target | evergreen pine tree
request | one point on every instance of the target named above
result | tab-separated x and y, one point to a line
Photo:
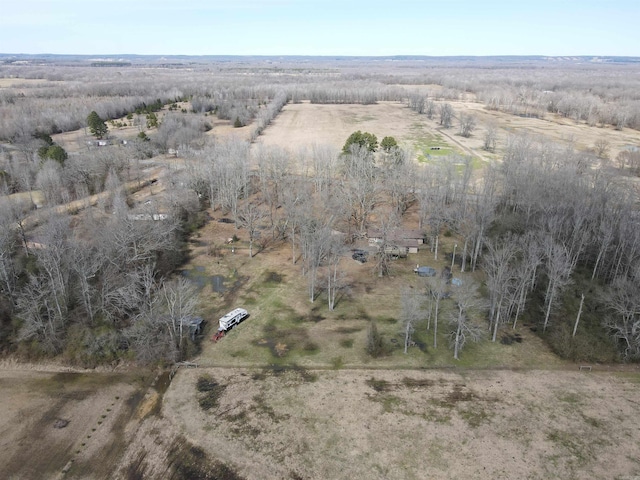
97	127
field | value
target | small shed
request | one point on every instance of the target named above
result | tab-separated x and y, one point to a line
194	324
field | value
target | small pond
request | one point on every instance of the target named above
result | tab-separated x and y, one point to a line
198	275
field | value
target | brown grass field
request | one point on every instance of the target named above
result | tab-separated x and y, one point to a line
410	424
304	124
296	396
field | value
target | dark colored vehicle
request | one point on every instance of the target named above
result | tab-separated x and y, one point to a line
425	271
360	255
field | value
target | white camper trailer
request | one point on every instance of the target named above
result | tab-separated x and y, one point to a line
232	318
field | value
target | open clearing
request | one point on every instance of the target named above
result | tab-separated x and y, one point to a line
302	125
414	424
285	327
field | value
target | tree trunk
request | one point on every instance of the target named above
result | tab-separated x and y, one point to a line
464	255
548	313
575	326
495	327
407	336
476	250
595	267
435	324
293	245
457	341
520	303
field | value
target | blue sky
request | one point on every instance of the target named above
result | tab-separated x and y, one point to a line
321	27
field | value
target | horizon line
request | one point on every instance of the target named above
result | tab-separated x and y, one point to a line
536	55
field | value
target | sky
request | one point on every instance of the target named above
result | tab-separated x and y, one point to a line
321	27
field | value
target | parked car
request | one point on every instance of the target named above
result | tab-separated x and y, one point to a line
360	256
425	271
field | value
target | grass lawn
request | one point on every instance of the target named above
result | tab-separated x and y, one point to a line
286	328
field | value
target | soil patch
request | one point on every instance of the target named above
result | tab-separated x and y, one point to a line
75	421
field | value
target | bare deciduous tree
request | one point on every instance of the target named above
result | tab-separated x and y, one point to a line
400	182
296	200
412	313
335	276
49	180
37	313
416	102
501	279
446	115
86	264
385	250
179	305
430	109
324	160
436	288
53	260
8	250
622	299
467	125
525	271
558	269
490	137
601	148
360	189
316	241
463	328
250	216
273	167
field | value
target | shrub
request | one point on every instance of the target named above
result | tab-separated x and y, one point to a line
376	346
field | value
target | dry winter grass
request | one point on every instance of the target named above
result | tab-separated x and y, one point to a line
409	424
286	328
99	408
518	412
304	124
